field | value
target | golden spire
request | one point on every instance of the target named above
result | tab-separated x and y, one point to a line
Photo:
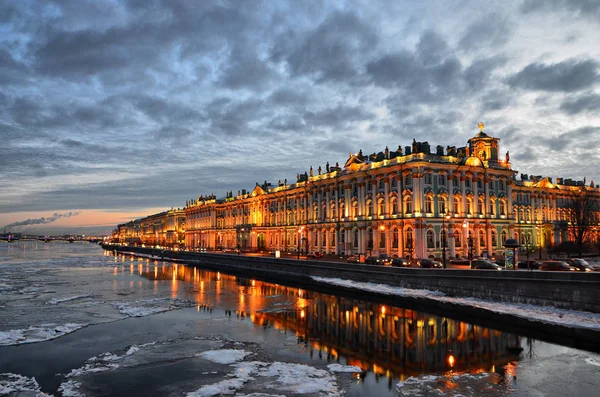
480	125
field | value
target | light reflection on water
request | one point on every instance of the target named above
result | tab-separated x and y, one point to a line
387	341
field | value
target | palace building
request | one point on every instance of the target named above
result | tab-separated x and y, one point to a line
414	202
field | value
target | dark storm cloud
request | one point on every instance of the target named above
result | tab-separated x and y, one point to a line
337	117
573	139
432	48
331	51
12	72
246	70
585	8
584	103
491	30
568	76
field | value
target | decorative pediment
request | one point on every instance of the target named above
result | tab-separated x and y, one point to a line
544	183
258	191
354	162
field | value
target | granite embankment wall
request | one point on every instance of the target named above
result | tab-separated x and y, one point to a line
567	290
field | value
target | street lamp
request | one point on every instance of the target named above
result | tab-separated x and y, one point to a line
469	243
444	238
527	245
300	229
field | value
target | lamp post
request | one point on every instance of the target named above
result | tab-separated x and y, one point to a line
300	229
445	238
527	245
469	243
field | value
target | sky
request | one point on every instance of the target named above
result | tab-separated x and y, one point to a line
114	110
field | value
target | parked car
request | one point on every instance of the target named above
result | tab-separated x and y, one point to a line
461	262
530	264
400	262
428	263
372	260
485	264
353	259
580	264
315	255
385	259
557	266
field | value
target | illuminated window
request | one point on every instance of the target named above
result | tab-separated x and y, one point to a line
429	204
408	205
442	180
430	239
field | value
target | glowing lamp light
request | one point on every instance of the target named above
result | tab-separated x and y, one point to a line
451	360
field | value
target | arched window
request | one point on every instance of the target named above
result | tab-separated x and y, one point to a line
381	207
494	238
315	213
332	238
443	238
409	240
482	243
369	206
457	238
442	205
394	204
502	207
456	205
480	206
395	238
492	207
469	205
430	239
408	205
355	209
429	205
355	239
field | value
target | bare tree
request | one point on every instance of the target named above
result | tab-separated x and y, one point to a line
582	206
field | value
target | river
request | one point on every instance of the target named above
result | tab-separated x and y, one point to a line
76	320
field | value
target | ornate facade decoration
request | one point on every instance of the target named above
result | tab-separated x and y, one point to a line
407	202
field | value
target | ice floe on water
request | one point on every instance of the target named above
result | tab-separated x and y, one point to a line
343	368
278	376
148	307
464	385
548	314
70	388
106	361
67	299
224	356
37	333
592	361
19	385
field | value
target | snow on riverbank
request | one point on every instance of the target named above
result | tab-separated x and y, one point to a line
548	314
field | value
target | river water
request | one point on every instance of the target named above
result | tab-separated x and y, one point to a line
76	320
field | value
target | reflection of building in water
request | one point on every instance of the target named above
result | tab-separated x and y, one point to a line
384	339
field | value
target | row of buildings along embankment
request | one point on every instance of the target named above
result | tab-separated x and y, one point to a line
417	201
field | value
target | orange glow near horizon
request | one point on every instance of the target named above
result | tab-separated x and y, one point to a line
100	219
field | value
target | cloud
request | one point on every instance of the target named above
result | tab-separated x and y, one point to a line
585	103
567	76
584	8
492	30
331	51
